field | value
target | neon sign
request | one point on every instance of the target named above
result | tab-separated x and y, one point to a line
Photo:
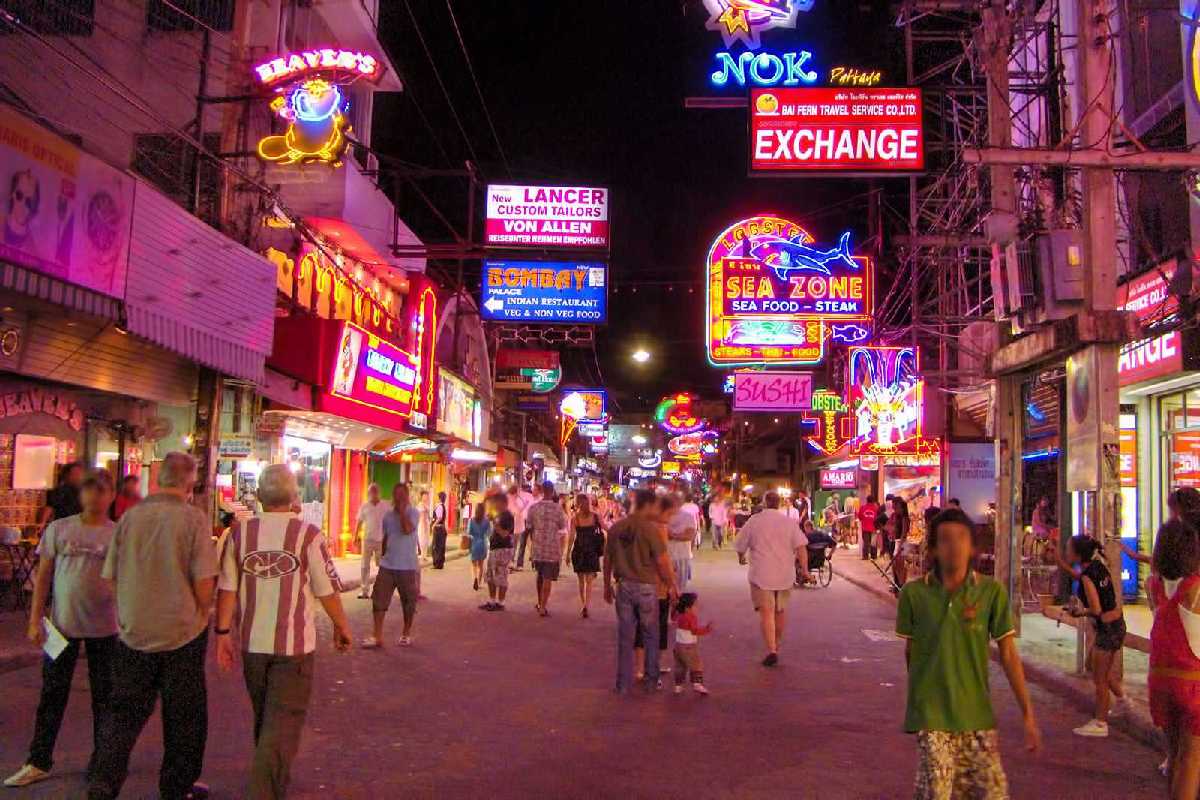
853	76
745	20
701	443
887	401
762	69
584	405
674	415
345	64
829	417
772	292
649	459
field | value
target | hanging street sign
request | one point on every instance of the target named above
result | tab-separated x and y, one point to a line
555	217
549	292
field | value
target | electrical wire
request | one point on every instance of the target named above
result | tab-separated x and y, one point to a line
478	91
438	76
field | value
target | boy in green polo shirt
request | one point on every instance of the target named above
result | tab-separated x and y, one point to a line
947	620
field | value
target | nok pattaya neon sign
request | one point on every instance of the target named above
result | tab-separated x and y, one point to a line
763	69
674	415
745	20
774	295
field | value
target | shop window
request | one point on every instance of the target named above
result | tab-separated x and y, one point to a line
58	18
169	162
189	15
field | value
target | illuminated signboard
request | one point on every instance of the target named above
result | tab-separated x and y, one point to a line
774	293
701	443
310	101
675	415
856	130
764	69
772	391
551	292
456	407
530	370
745	20
839	479
853	76
886	395
829	417
370	371
1149	298
1193	57
649	459
584	404
559	217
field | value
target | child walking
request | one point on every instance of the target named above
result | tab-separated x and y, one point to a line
500	556
948	618
687	643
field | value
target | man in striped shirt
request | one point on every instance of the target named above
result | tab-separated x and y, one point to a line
274	570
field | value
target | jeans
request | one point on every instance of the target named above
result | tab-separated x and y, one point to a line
439	546
280	688
718	536
637	609
521	549
683	572
370	551
139	679
56	691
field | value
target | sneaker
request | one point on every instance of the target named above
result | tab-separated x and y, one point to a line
698	688
498	607
1120	707
583	613
488	606
475	585
1165	766
26	775
771	660
405	641
1095	728
199	792
371	643
679	688
364	596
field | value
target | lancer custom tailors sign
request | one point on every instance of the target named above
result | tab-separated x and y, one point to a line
863	130
550	292
775	294
557	217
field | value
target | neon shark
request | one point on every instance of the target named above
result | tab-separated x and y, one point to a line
791	255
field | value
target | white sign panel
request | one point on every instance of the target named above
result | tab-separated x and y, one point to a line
560	217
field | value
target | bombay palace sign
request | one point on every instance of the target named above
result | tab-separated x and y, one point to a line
775	294
558	217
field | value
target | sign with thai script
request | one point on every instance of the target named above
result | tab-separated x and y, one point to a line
772	391
839	479
1149	298
550	292
65	214
861	130
374	372
775	293
559	217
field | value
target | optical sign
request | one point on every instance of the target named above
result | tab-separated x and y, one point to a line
861	130
559	217
549	292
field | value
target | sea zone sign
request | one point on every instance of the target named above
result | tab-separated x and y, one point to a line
560	217
868	130
551	292
772	391
774	293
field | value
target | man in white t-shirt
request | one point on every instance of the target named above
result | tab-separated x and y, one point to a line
274	571
370	528
689	506
681	532
774	544
718	515
519	501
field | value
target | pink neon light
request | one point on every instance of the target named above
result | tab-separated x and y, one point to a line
293	65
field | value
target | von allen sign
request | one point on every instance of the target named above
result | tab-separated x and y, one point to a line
560	217
772	391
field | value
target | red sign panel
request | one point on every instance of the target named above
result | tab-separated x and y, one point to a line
1148	298
859	130
1185	460
526	359
839	478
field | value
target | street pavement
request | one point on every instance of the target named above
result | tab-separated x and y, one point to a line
512	705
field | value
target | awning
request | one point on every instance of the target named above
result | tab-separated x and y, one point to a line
43	287
337	431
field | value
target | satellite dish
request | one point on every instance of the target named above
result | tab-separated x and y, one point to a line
157	428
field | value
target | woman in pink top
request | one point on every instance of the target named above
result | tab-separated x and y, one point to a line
1174	664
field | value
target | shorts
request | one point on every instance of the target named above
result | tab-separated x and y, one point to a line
547	570
497	567
1110	636
400	581
960	764
776	599
1175	702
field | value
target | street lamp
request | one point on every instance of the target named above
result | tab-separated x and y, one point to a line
641	356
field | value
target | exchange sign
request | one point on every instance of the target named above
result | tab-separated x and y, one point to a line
867	130
775	295
550	292
559	217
